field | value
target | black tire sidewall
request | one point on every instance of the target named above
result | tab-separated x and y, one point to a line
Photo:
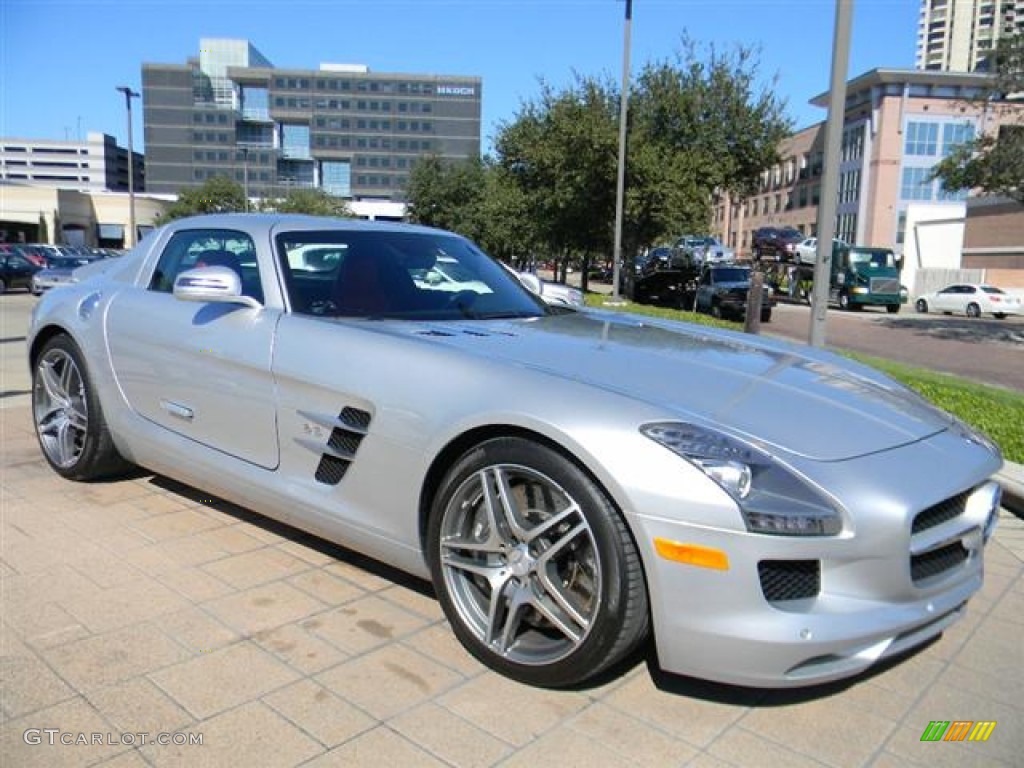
91	462
593	654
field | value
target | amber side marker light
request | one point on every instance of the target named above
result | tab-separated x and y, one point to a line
692	554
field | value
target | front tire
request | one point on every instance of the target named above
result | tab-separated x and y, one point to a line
534	566
844	301
69	421
973	310
921	306
892	309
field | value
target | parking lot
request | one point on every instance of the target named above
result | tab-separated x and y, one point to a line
145	607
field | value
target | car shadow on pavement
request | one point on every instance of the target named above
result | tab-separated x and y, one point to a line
958	328
324	547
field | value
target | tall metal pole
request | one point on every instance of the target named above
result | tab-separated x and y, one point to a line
129	94
830	172
620	182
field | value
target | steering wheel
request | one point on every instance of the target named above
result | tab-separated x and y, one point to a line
463	300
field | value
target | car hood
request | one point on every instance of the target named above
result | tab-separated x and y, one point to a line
782	395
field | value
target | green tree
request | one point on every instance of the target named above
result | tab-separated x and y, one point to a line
561	153
315	202
700	125
218	195
447	194
994	163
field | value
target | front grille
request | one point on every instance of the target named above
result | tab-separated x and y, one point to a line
789	579
885	285
940	513
929	564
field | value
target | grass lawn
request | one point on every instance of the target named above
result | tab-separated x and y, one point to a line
999	413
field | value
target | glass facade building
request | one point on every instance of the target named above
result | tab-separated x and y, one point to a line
352	132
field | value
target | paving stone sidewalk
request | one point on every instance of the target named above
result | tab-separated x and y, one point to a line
142	606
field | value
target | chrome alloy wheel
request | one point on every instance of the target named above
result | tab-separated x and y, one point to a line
520	563
59	406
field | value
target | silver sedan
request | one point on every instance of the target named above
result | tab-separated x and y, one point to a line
573	483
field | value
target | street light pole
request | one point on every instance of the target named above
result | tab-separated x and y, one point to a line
129	94
620	181
830	172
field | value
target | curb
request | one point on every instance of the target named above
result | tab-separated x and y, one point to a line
1011	478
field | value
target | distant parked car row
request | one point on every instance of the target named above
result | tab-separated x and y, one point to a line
37	267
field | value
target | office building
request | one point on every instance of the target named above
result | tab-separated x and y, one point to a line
342	128
898	125
97	164
957	35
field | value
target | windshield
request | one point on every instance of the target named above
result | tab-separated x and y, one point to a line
405	275
872	259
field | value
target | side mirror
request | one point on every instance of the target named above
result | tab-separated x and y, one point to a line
219	285
531	282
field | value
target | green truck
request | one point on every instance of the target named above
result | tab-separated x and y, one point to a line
863	276
860	276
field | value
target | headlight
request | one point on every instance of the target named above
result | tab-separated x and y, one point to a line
772	497
859	289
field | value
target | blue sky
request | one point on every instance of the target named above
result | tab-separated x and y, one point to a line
60	60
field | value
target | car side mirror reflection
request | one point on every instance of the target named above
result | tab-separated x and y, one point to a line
531	282
219	285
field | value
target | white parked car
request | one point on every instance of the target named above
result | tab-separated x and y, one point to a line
971	299
807	250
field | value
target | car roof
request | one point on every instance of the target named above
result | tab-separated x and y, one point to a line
276	222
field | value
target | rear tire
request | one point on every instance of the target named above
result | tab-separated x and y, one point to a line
70	426
973	310
999	315
3	286
534	566
892	309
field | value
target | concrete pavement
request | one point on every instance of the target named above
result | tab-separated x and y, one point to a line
145	607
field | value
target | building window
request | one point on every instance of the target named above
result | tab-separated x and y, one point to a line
916	184
337	177
922	139
955	134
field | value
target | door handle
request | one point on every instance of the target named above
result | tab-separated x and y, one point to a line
177	410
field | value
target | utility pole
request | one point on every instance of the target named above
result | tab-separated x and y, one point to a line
830	172
129	94
620	182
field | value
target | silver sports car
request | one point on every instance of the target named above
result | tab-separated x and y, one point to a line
573	483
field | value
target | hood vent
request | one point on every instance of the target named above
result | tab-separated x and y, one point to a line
463	331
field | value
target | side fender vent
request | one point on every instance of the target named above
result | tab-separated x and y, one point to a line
347	433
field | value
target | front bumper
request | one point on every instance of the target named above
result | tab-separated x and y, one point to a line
883	586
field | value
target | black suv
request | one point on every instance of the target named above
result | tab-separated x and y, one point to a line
722	291
776	243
